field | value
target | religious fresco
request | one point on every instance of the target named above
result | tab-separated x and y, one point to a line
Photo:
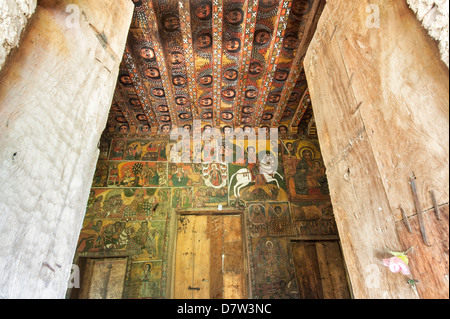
257	220
272	269
209	197
314	219
305	170
256	182
142	239
256	173
271	227
182	197
139	149
300	11
130	174
104	148
144	280
134	194
127	204
227	64
307	125
279	220
180	174
294	106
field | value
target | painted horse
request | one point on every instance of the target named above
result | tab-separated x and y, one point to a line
244	176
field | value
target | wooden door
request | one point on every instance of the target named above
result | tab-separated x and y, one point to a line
209	260
320	272
103	278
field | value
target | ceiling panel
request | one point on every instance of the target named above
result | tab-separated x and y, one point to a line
221	62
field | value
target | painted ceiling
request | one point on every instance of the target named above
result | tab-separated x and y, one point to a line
222	62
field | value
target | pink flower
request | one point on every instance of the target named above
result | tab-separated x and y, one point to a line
396	265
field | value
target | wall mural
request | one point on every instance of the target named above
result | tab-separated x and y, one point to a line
136	189
227	64
305	170
273	275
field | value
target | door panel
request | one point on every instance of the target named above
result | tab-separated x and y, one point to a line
216	236
184	259
209	257
201	260
320	271
103	278
307	271
332	270
233	258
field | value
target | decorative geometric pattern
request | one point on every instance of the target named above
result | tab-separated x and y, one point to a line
227	63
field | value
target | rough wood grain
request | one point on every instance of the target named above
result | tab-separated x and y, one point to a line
356	191
86	280
216	234
210	256
201	264
406	109
184	259
335	267
376	79
104	278
63	78
429	265
325	273
233	266
307	270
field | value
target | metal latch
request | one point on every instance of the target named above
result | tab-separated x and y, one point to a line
193	288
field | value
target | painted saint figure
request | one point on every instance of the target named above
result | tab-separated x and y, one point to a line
307	179
146	290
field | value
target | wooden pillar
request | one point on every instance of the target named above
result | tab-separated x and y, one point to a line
55	94
380	96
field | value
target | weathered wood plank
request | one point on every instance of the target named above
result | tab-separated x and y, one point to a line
233	265
59	74
87	279
337	270
210	257
365	223
233	286
325	276
429	265
307	270
202	251
352	73
106	278
184	258
406	109
215	233
331	97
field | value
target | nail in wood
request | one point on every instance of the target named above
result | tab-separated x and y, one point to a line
405	220
419	210
435	205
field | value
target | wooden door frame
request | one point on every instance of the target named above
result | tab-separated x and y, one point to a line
215	212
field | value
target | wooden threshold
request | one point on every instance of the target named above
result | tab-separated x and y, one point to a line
209	212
